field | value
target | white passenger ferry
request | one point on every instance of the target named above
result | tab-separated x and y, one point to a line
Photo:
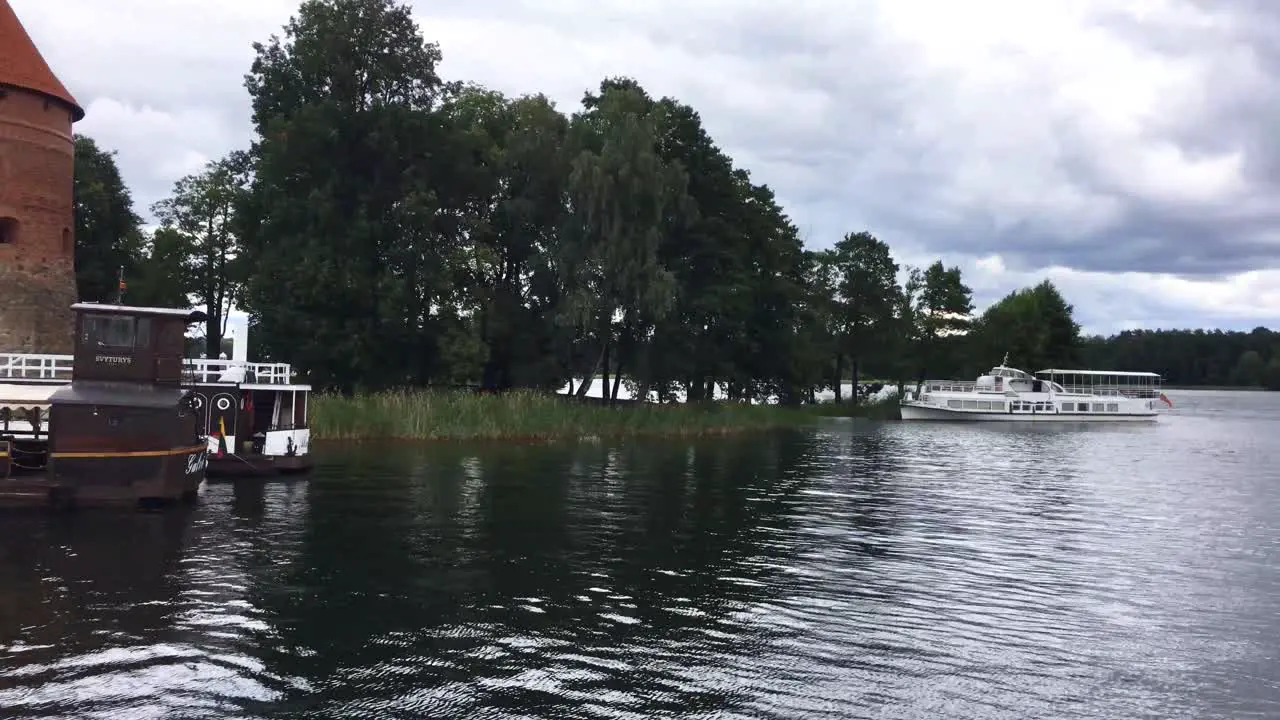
1010	395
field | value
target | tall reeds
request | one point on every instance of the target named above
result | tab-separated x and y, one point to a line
527	416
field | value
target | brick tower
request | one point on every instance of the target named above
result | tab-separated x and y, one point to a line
37	213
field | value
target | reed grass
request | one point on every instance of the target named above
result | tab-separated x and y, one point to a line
528	416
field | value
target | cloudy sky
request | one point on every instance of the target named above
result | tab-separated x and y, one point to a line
1124	148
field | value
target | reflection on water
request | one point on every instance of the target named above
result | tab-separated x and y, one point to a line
855	570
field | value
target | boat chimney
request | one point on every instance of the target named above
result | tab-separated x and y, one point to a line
238	330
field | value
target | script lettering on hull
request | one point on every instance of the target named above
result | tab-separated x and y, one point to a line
196	462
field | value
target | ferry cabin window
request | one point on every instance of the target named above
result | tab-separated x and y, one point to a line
108	332
142	333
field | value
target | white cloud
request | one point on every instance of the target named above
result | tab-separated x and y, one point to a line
1103	143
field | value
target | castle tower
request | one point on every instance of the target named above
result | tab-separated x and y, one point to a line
37	213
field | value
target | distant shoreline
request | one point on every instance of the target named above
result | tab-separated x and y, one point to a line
1215	388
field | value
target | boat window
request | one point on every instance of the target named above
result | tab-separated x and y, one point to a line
954	403
1113	407
1083	407
106	331
142	333
970	404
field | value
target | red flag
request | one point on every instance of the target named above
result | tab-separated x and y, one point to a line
1166	400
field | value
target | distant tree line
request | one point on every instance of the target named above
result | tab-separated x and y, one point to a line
389	228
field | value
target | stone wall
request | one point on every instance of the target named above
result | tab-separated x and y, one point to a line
35	310
37	215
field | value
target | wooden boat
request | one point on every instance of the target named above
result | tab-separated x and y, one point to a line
123	430
254	414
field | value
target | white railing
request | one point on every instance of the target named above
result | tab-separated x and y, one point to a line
212	371
949	386
23	366
18	366
1135	391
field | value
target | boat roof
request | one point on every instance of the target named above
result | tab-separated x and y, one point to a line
26	394
1112	373
191	316
119	395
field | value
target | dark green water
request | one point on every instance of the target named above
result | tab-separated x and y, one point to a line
857	570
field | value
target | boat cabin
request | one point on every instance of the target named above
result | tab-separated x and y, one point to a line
1004	379
1104	382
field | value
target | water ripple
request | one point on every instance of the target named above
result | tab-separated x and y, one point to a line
857	571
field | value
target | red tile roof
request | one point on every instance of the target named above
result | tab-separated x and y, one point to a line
22	65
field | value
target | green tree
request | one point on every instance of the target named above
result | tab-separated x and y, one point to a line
200	224
939	317
108	231
866	301
622	198
351	224
1271	380
161	278
509	284
1034	326
1250	369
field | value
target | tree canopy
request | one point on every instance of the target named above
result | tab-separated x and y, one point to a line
388	227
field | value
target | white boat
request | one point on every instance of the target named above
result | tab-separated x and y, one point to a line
1008	394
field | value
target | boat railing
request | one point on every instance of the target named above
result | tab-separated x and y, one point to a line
1114	391
24	366
31	366
211	371
949	386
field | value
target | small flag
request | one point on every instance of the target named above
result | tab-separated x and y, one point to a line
1165	398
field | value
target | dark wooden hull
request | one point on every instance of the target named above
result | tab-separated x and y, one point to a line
73	480
241	466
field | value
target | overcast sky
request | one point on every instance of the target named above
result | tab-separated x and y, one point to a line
1125	149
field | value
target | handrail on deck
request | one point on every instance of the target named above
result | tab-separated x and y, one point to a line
32	366
949	385
21	366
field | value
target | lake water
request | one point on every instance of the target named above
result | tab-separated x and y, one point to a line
857	570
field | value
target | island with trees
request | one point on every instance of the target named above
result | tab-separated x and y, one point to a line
396	235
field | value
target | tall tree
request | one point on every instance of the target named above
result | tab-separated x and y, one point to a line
1034	326
162	277
866	300
939	316
108	231
351	226
622	198
199	221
